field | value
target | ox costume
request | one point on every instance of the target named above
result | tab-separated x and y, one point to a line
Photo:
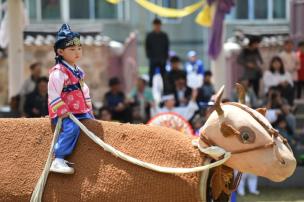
67	94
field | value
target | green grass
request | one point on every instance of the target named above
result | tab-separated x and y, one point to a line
275	195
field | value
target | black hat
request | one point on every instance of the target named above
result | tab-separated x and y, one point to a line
66	38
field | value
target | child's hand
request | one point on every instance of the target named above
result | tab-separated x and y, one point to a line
65	115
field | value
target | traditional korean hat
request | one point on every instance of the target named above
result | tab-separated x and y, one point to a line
66	38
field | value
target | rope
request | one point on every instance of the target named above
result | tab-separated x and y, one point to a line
38	191
138	162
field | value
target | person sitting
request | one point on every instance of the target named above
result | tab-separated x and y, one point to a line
141	98
276	76
289	117
251	99
105	114
273	103
36	103
182	93
169	106
207	90
115	100
282	126
176	72
13	110
29	84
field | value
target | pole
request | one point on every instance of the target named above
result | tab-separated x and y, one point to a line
15	47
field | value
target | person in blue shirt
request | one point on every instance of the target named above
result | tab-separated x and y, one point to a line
194	64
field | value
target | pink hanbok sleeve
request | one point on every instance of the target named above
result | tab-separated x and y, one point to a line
55	86
86	93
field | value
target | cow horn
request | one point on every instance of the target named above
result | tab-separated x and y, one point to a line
241	93
218	100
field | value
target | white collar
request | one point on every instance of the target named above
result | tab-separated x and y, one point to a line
70	66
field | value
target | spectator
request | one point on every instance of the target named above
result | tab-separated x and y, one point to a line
251	99
300	83
251	60
276	76
171	77
282	126
290	60
36	103
169	106
105	114
141	98
207	90
29	84
182	93
157	49
13	111
195	70
252	181
289	117
115	101
273	104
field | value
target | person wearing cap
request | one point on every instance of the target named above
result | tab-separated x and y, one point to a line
169	106
194	64
157	49
195	70
68	93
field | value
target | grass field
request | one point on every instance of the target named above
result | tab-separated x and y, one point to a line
275	195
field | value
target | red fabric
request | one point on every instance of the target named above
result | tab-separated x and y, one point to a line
62	110
74	101
301	70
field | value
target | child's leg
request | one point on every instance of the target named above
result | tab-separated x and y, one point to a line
67	138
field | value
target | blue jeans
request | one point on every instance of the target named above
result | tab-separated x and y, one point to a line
69	135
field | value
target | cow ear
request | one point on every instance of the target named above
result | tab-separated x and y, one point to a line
261	111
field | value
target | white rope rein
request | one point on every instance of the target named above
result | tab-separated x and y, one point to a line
37	194
38	191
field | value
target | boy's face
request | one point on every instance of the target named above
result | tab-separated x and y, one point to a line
71	54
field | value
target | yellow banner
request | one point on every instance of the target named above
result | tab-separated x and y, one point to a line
170	12
205	17
113	1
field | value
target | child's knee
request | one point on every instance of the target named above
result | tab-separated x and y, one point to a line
71	128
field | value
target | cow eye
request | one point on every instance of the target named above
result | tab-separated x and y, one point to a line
247	136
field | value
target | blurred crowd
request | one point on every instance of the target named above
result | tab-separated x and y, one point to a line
182	84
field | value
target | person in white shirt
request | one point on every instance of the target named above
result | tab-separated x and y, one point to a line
169	106
277	77
290	59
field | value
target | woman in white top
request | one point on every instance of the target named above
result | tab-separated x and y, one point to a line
277	77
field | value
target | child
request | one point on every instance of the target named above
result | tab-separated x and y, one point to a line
67	94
